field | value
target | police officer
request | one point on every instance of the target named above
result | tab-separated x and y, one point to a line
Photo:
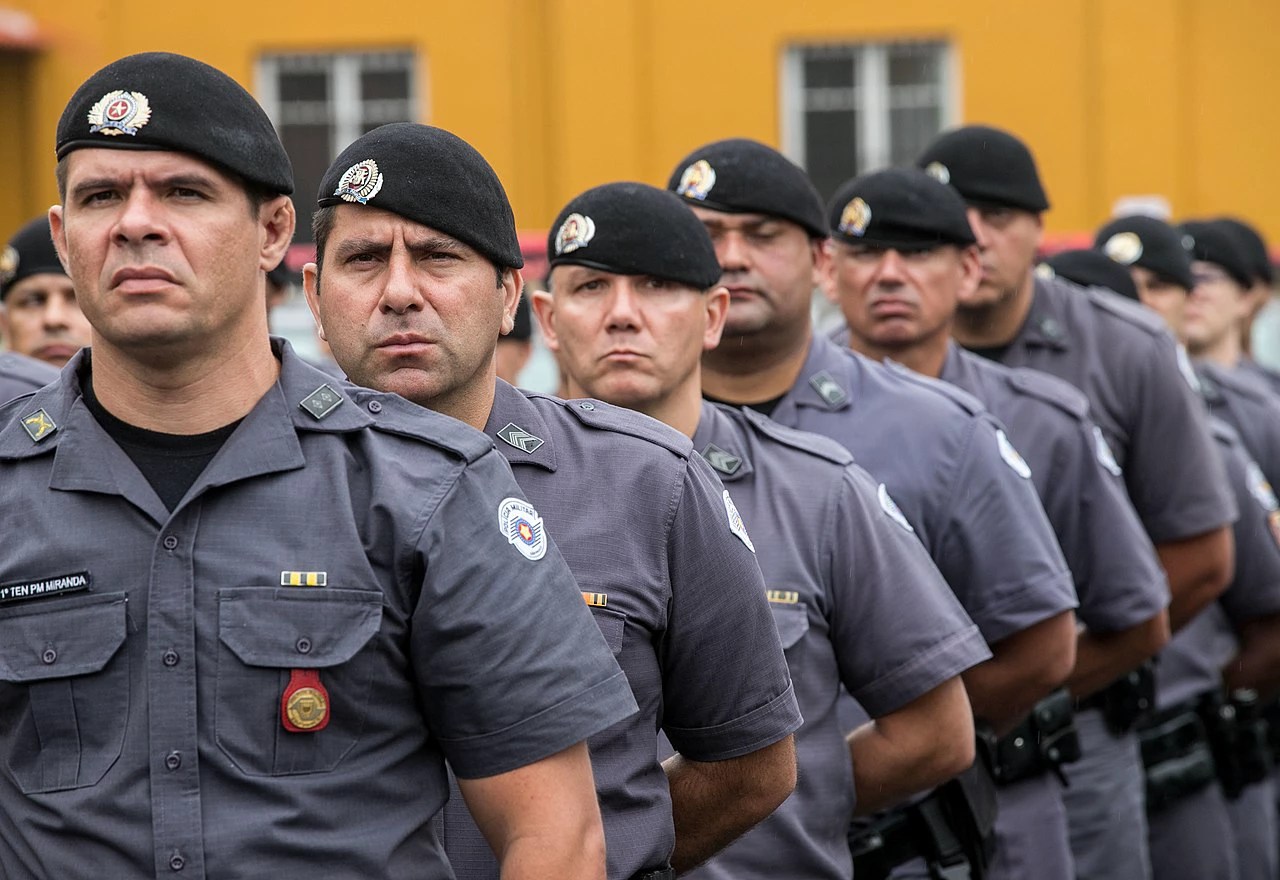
945	461
417	274
245	606
901	254
629	312
1262	276
39	316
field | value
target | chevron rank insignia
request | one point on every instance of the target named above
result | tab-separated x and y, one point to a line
828	388
514	435
725	462
321	402
38	425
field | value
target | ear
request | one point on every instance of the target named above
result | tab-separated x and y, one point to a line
970	271
59	233
827	272
278	221
717	306
311	288
544	310
513	287
821	250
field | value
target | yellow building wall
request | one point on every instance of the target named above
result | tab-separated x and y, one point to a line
1116	97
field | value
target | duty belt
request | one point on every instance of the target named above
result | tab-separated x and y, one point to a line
1126	701
1043	742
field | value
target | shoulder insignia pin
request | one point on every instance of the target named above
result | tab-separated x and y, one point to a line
725	462
321	402
38	425
828	388
514	435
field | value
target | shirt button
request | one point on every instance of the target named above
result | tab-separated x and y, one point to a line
375	406
170	542
304	646
173	760
588	406
49	656
177	862
170	657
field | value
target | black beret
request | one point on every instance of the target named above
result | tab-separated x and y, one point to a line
431	177
1147	242
29	252
741	176
162	101
901	208
1092	268
634	229
988	166
1249	240
1212	243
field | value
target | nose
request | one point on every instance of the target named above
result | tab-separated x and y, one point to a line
624	306
980	231
400	292
731	251
139	219
57	312
891	269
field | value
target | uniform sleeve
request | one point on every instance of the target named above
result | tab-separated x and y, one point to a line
1118	577
998	552
725	683
896	628
511	666
1255	588
1172	471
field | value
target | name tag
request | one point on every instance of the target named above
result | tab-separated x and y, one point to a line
54	586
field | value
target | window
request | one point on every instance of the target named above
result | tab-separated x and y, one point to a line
321	103
848	109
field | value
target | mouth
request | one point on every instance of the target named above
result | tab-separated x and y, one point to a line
891	308
622	356
56	351
402	344
141	279
741	292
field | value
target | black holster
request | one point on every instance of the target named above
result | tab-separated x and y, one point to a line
1044	741
1237	738
1127	700
1176	755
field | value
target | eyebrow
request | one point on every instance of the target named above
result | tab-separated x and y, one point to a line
188	180
431	244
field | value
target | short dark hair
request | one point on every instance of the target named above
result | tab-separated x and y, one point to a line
257	194
322	227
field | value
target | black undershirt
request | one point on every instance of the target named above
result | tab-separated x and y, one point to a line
764	407
170	462
992	353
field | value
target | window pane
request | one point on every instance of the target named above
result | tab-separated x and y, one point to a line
383	84
294	86
831	149
911	129
308	147
828	70
914	65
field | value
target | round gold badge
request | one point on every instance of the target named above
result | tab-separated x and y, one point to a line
1123	247
307	708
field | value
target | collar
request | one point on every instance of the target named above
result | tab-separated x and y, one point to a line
519	429
722	441
1046	325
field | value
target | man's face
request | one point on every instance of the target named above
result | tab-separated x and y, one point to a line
1007	242
896	300
1167	298
408	309
1216	308
163	249
770	267
631	340
40	318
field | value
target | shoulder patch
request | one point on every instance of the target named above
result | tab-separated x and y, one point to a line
967	401
804	441
1011	456
1127	310
1102	449
736	525
1260	488
395	415
606	417
890	507
1050	389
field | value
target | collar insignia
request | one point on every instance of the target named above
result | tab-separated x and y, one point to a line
38	425
725	462
514	435
321	402
828	388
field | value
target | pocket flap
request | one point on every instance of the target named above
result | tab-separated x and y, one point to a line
75	636
612	625
792	622
298	627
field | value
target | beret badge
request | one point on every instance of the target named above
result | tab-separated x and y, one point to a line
118	113
697	180
359	183
576	231
938	172
8	265
1123	247
855	218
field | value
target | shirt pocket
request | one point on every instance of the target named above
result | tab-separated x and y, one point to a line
266	632
792	622
64	690
613	626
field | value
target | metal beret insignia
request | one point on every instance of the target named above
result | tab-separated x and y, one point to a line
1123	247
359	183
8	265
938	172
118	113
697	180
576	231
855	218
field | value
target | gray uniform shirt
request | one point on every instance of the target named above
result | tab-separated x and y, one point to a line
1117	574
665	565
144	653
1124	360
955	476
841	564
1193	660
21	375
1246	403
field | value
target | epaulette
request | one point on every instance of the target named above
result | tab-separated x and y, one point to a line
34	373
1127	310
964	399
1050	389
804	441
619	420
395	415
1248	386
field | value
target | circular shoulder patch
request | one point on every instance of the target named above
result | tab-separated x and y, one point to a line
736	525
520	523
1011	456
889	506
